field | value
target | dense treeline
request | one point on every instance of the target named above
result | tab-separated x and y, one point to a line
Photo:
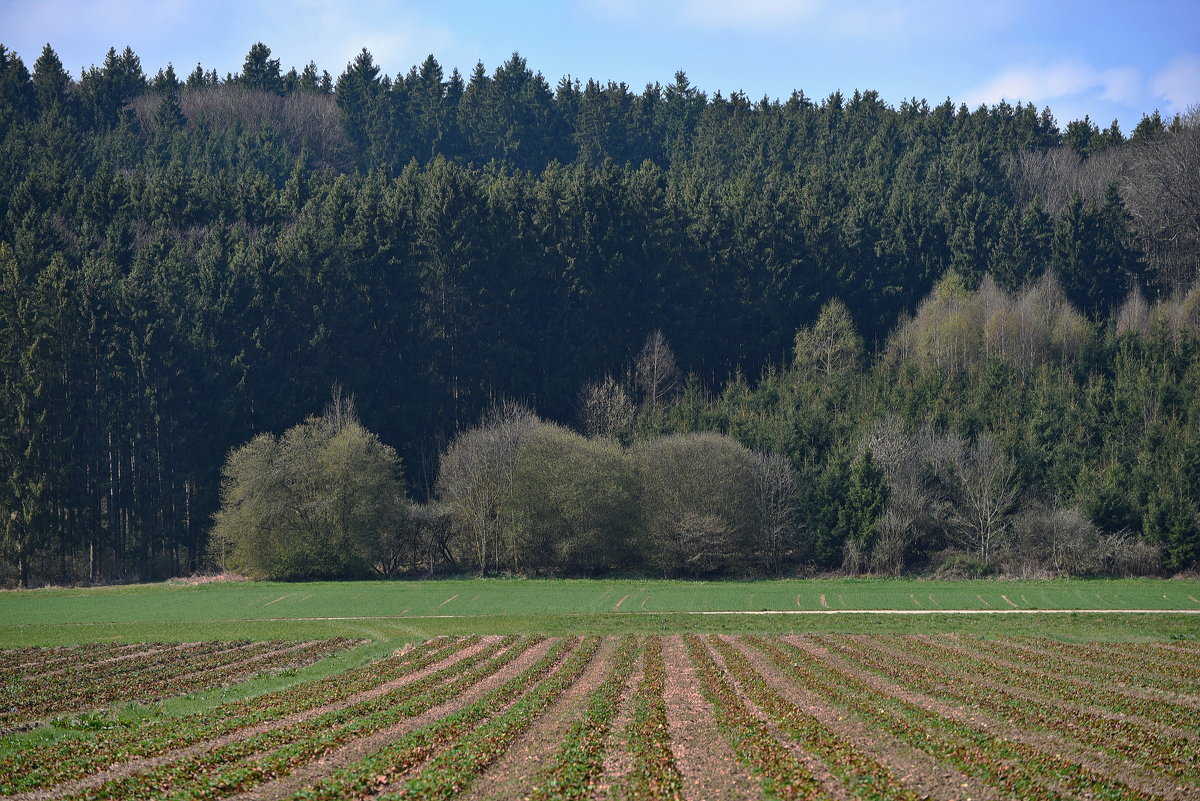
186	262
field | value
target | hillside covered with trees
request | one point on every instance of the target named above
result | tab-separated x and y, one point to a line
885	338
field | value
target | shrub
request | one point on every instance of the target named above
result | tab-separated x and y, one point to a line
312	503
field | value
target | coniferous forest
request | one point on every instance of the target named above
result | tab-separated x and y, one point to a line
587	328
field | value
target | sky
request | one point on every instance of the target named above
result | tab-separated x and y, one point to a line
1109	59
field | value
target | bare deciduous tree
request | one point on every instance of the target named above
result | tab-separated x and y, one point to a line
1161	189
656	371
476	474
986	491
1134	314
956	329
307	121
1054	175
778	541
605	409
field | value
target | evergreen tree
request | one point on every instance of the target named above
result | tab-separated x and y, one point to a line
260	72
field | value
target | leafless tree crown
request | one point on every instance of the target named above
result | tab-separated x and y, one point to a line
656	371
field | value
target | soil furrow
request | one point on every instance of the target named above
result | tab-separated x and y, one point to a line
107	661
832	786
617	759
915	768
1129	773
706	762
1149	677
144	764
1134	693
512	776
313	772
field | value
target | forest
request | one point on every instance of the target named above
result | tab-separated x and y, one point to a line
588	329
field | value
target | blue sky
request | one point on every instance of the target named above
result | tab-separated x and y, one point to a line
1110	59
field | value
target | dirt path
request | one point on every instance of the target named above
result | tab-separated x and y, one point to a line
1118	769
706	762
146	764
513	774
311	773
917	769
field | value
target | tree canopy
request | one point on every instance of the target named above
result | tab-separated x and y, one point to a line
187	262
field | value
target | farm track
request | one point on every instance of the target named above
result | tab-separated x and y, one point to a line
840	717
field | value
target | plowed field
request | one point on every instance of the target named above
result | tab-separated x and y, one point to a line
633	717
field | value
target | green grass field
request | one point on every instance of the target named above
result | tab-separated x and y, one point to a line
381	610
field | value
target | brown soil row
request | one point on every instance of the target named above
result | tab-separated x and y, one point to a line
918	770
313	772
1136	693
512	776
1131	774
704	757
48	657
233	671
220	672
120	657
617	760
146	764
1152	671
1019	653
1021	691
830	784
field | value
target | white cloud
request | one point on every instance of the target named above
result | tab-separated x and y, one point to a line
1179	82
1121	85
1060	81
1036	83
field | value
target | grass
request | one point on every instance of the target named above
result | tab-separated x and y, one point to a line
389	610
